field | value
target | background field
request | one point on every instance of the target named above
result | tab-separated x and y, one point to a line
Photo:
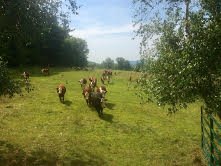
37	129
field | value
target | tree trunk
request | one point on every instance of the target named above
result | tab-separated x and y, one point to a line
187	16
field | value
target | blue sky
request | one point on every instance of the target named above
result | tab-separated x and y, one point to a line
106	25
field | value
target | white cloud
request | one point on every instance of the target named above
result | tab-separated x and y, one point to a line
99	31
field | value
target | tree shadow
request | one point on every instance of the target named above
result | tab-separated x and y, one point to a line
10	154
13	155
67	102
110	105
107	117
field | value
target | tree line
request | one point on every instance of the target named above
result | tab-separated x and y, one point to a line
108	63
36	32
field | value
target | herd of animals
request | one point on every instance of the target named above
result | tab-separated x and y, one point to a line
93	97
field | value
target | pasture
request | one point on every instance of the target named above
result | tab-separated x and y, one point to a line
36	129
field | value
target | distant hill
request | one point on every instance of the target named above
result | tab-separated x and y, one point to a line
133	63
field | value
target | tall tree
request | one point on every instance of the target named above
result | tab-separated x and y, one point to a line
120	63
75	52
108	63
123	64
186	64
24	22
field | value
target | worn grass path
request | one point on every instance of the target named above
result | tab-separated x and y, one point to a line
37	129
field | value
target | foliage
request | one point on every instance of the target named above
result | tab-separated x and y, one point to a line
139	65
75	52
108	63
34	32
92	65
186	65
123	64
9	86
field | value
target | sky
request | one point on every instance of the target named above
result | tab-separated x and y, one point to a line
107	27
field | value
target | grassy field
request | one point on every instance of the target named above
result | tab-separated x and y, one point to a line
37	129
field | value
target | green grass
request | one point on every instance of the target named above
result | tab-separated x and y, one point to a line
37	129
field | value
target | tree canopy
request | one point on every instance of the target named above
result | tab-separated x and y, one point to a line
36	32
185	54
123	64
108	63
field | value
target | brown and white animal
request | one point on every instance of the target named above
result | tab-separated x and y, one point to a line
102	89
61	90
45	71
90	78
104	73
109	73
93	82
26	75
86	93
83	82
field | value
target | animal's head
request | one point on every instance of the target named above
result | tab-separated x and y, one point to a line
90	78
103	92
59	90
92	85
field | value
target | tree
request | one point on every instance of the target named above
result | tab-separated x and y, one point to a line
9	86
28	22
108	63
123	64
120	63
28	35
139	65
127	65
75	52
186	62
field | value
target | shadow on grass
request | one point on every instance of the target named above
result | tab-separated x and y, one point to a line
67	102
110	105
13	155
107	117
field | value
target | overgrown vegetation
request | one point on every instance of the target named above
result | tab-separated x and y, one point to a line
9	85
186	61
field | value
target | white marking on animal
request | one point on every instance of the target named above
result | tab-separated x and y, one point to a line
60	90
86	95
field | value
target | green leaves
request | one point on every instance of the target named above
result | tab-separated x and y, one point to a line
9	86
186	66
108	63
123	64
